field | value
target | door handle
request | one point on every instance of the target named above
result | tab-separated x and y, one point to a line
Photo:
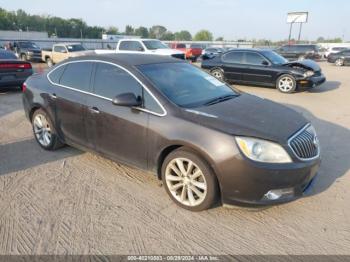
94	110
53	96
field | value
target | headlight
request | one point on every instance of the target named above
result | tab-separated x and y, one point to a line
262	150
309	73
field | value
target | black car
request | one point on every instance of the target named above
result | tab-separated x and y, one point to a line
27	51
341	58
300	52
203	138
12	71
266	68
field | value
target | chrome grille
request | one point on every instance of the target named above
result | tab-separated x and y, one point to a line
305	144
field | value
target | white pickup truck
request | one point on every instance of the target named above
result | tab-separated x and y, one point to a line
144	46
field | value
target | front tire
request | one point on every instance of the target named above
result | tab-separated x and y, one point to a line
218	74
286	84
44	131
24	57
189	181
339	62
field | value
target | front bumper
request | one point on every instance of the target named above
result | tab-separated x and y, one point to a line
312	81
250	182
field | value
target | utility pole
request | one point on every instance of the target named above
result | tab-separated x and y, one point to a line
301	26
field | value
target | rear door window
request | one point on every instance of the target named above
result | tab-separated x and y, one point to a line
233	57
77	75
56	74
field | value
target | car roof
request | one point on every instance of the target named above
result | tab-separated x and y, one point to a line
138	39
67	43
129	59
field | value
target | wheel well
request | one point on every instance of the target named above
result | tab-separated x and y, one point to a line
217	68
31	113
162	157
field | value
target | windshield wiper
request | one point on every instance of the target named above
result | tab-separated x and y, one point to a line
220	99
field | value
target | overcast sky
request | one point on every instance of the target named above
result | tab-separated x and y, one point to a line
231	19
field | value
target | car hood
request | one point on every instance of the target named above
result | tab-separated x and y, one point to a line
34	49
251	116
166	52
306	64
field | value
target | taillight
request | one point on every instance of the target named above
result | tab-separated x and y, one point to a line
16	66
24	87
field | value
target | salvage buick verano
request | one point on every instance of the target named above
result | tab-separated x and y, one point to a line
205	140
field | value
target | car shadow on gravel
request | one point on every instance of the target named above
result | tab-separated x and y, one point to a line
326	87
10	100
335	151
21	155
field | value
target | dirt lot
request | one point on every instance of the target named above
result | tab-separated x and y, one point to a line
71	202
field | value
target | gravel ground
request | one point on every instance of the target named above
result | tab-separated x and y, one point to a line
72	202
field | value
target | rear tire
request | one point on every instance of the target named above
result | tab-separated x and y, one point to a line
44	131
24	57
286	84
189	181
218	74
339	62
49	62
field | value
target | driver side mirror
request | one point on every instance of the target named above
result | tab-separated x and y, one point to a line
63	51
265	63
127	100
141	49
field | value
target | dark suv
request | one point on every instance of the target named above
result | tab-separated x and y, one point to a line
300	52
27	50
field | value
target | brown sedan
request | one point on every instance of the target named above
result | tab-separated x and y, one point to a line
204	139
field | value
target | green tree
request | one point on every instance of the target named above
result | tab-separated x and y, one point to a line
157	31
129	30
183	36
112	30
203	35
142	31
168	36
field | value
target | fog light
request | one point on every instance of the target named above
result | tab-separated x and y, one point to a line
279	194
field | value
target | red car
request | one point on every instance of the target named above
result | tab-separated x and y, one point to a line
192	53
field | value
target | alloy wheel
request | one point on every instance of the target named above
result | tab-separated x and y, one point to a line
218	74
186	182
286	84
42	130
339	62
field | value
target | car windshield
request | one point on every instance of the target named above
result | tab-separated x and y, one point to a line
274	57
75	48
154	44
27	45
186	85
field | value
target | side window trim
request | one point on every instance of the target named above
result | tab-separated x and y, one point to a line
106	98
